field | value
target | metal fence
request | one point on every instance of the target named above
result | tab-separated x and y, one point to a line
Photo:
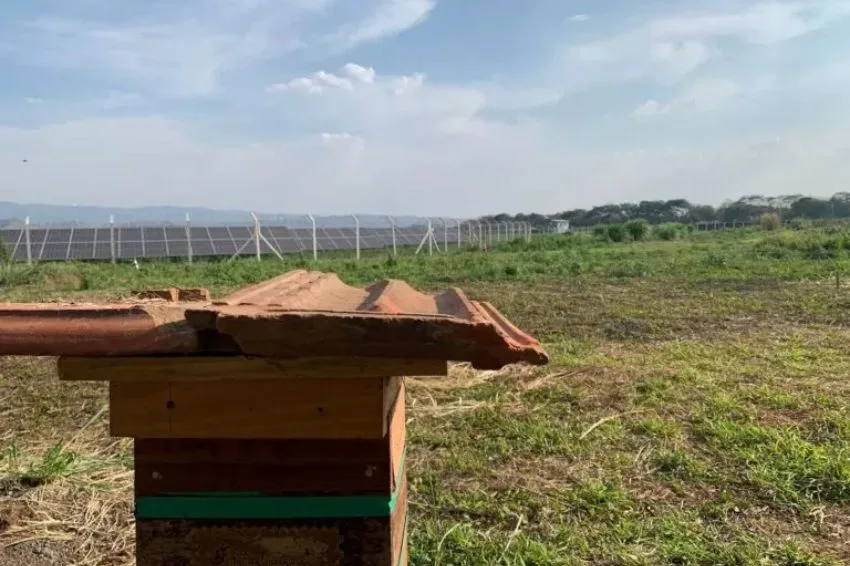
112	242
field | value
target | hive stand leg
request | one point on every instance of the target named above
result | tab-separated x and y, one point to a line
282	501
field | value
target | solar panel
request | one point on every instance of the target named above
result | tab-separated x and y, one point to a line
10	240
155	234
264	248
172	233
81	251
289	245
52	252
204	248
239	232
128	234
155	249
281	232
177	248
103	235
85	235
386	236
129	250
10	235
242	243
224	247
59	236
219	233
20	253
325	244
37	238
199	233
102	251
210	241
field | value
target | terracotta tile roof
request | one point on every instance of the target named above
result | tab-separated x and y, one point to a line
299	314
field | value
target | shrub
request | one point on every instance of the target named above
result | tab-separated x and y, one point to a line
668	232
616	233
770	222
637	229
601	231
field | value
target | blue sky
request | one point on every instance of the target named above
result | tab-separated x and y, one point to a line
440	107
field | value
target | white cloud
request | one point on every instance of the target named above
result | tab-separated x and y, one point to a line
650	109
185	49
703	96
579	18
764	22
359	73
680	57
317	83
350	76
671	47
390	18
33	100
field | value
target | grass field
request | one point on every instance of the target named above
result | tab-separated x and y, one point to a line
696	410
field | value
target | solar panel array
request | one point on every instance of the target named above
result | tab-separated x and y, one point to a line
79	244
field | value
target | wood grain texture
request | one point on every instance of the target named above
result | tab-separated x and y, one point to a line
330	408
205	368
397	435
274	467
139	409
271	408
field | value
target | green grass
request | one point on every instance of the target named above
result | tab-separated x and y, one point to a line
695	411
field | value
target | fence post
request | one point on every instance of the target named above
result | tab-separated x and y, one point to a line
430	238
257	250
445	235
27	239
392	229
189	237
356	234
112	237
315	247
459	233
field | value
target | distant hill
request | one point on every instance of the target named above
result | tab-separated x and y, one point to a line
12	215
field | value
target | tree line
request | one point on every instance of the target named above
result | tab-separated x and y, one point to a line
745	209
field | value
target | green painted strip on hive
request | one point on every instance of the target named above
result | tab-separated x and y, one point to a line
252	505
